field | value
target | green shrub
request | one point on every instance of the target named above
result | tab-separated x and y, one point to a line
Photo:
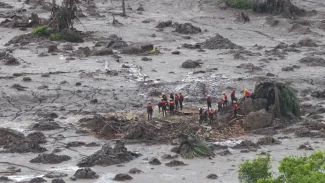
41	31
55	37
251	171
240	4
71	36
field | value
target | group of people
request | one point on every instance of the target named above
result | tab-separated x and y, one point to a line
175	103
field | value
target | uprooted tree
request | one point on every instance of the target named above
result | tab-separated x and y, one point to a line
282	96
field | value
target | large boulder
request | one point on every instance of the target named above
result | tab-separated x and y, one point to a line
189	64
258	119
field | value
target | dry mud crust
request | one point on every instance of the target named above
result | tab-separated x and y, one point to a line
108	156
50	158
219	42
313	61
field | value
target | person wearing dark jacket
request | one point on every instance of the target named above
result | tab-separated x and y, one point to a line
149	111
176	101
181	99
209	100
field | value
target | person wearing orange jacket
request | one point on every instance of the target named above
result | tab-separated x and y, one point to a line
209	100
171	107
235	107
149	111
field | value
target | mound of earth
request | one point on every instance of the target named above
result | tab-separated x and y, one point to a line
24	146
174	163
307	42
25	38
154	161
187	28
299	29
108	156
313	61
85	173
168	23
189	64
219	42
37	137
268	140
50	158
8	136
44	126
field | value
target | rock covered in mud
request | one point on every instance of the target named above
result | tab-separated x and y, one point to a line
50	158
102	52
212	176
219	42
37	180
299	29
122	177
137	48
187	28
174	163
268	140
154	161
37	137
108	156
247	144
24	146
189	64
313	61
307	42
168	23
81	52
57	181
7	58
257	120
85	173
8	136
48	125
135	171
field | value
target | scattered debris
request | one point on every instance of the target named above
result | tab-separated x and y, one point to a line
187	28
268	140
50	158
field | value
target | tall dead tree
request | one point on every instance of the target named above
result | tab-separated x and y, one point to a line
123	8
63	16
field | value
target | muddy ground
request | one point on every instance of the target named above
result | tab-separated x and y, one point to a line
64	87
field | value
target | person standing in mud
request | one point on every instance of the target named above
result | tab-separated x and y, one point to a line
164	108
225	99
176	101
171	107
181	98
220	103
160	104
149	111
233	96
201	115
209	102
211	113
171	96
247	94
235	107
164	97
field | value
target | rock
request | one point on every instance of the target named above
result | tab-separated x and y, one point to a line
189	64
187	28
102	52
176	52
52	48
68	47
122	177
52	175
168	156
289	68
145	59
94	101
75	144
81	52
58	181
37	137
270	74
112	72
140	8
37	179
212	176
85	173
154	161
8	136
78	83
244	151
268	140
135	171
191	46
108	156
50	159
306	147
168	23
44	126
257	120
219	42
92	144
174	163
27	79
225	153
313	61
307	42
42	87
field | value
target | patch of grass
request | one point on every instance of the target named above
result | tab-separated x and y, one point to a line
239	4
55	37
41	31
71	36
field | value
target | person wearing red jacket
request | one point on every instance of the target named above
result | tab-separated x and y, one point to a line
160	105
209	101
233	95
176	101
247	93
220	103
164	108
211	113
149	111
235	106
225	99
181	98
171	107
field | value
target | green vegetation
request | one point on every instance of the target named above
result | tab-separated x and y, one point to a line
55	37
71	36
240	4
41	31
293	169
195	147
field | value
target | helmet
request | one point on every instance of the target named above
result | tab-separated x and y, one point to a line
163	93
208	95
233	90
180	92
223	93
234	102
